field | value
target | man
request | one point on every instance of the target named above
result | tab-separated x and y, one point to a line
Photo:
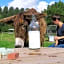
59	39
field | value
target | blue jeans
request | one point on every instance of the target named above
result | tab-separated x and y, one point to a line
59	46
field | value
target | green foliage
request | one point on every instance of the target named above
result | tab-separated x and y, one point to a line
4	27
16	11
11	11
21	10
47	43
7	40
6	13
57	8
0	12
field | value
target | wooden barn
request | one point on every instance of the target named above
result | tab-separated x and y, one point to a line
21	22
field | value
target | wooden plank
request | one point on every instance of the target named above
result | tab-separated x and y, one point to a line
7	19
48	56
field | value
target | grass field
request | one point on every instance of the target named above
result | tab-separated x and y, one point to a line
8	40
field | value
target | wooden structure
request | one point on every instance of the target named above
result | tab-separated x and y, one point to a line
41	56
21	22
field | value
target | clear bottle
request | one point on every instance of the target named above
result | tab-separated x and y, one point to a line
34	34
34	26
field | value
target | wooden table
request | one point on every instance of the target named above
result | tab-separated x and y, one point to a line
41	56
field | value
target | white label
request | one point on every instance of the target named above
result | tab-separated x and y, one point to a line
51	38
34	39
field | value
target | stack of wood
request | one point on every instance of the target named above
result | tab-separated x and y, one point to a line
22	20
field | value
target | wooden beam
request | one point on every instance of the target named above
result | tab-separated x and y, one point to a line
7	19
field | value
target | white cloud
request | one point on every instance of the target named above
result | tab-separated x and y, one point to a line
29	4
23	3
2	7
52	2
42	5
38	5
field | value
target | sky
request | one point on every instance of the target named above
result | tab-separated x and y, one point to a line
39	5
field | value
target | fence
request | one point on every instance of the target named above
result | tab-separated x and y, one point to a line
51	30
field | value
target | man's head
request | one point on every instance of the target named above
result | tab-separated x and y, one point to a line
56	19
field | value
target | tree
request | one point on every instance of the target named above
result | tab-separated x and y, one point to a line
16	11
0	12
57	8
5	12
11	11
27	8
22	10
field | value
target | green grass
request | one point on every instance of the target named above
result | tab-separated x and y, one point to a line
46	43
8	40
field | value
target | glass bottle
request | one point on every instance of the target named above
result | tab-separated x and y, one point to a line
34	34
